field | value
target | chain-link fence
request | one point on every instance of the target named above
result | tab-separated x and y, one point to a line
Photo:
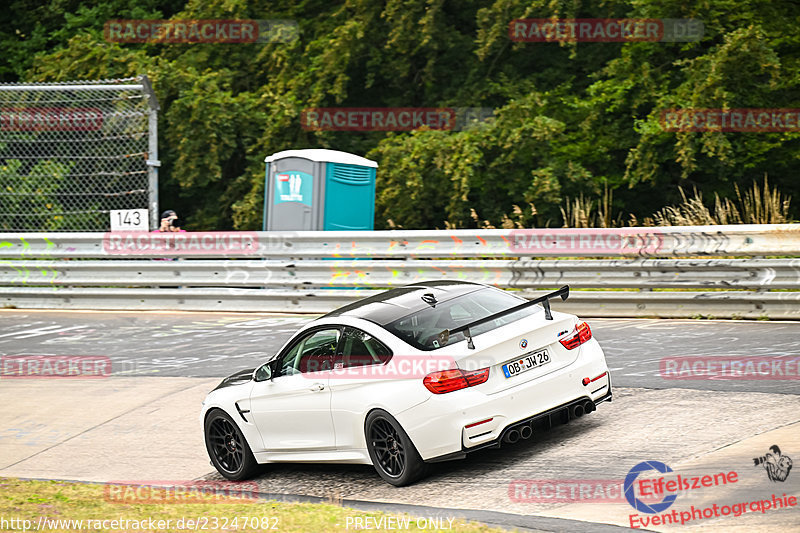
72	152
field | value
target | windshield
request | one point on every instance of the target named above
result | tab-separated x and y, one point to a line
423	329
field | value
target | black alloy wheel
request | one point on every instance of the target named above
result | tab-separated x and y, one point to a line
393	454
227	447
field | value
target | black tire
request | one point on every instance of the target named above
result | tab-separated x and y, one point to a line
393	454
228	449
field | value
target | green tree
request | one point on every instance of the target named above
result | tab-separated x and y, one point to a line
571	118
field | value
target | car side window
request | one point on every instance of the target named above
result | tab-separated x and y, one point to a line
314	352
359	348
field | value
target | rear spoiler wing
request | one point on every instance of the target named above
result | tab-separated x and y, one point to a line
563	292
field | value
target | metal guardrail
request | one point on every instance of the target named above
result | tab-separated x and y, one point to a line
683	304
642	274
309	271
677	241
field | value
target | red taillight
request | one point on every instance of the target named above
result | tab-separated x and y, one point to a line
476	377
582	334
452	380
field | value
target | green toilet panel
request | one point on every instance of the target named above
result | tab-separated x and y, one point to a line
349	197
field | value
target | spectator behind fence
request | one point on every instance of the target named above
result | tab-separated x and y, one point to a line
170	222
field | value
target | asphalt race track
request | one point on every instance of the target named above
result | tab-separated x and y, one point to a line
216	345
164	363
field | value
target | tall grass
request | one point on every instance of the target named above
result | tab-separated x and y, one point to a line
758	205
582	212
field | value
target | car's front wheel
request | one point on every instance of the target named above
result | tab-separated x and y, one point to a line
391	450
227	447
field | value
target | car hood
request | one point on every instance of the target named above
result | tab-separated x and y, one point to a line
243	376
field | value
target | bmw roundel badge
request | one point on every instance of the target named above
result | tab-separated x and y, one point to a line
523	343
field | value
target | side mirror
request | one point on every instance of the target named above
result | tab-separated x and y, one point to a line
264	372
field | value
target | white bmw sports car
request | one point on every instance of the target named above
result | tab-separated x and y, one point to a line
411	376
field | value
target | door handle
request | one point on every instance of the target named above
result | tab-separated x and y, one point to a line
317	386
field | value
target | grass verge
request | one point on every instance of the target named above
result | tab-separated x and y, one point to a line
68	506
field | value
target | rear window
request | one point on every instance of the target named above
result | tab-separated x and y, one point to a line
423	328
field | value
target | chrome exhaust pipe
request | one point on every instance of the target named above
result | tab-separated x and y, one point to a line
512	436
577	411
526	431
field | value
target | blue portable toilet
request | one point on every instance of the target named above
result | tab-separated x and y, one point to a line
319	189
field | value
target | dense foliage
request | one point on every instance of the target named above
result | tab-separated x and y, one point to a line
571	118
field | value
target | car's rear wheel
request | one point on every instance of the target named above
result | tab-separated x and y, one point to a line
393	454
227	447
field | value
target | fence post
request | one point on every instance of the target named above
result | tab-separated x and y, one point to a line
152	153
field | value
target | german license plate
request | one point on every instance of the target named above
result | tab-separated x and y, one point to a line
529	361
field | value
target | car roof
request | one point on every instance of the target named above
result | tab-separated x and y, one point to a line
393	304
